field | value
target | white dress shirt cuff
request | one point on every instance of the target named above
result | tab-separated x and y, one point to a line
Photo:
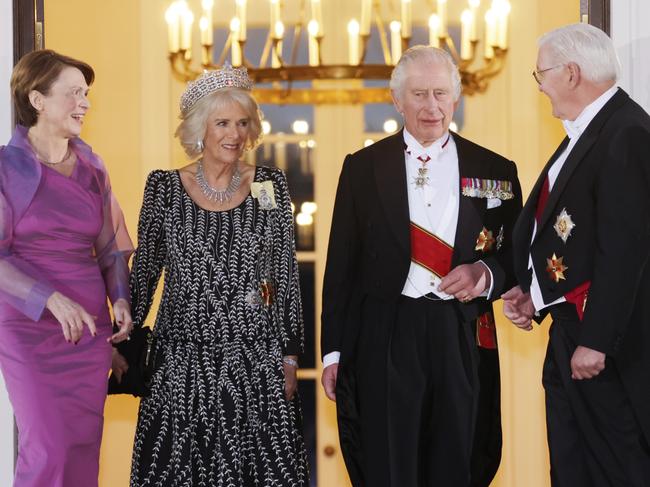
488	292
331	359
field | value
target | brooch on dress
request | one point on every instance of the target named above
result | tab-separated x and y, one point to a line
564	225
265	194
486	188
263	296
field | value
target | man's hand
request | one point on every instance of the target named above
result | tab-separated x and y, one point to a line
119	365
466	281
290	378
518	308
586	363
329	380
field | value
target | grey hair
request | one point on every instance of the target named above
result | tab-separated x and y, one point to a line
424	54
588	47
194	123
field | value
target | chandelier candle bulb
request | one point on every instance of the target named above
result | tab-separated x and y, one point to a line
240	13
207	6
312	29
465	35
278	34
353	34
490	33
317	15
186	29
235	48
366	16
275	14
406	19
502	24
395	41
206	31
473	6
434	30
172	18
442	13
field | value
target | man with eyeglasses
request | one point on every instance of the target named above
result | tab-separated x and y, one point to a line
581	247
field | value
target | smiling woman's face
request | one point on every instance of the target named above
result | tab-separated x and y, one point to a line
227	132
63	109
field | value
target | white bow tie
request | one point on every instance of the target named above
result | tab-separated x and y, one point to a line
572	130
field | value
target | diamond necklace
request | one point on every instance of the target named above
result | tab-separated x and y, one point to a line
218	195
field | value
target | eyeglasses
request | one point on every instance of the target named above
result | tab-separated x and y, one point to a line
537	74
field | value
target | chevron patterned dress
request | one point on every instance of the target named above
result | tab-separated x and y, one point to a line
217	415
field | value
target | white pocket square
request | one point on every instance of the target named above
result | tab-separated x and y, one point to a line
493	203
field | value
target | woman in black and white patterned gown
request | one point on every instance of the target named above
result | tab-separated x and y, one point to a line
223	409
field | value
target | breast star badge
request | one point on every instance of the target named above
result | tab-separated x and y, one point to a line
555	268
564	225
485	241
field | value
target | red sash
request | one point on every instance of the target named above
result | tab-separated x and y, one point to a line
429	251
486	331
578	297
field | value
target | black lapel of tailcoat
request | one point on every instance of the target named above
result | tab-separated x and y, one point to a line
585	142
390	177
523	229
470	210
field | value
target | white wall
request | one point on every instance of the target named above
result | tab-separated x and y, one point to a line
631	35
6	64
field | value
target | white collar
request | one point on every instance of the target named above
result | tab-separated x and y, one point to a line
415	149
574	128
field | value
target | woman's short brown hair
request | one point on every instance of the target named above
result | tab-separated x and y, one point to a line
38	70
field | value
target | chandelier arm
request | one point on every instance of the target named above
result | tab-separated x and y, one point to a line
451	45
181	67
226	47
295	44
266	51
382	35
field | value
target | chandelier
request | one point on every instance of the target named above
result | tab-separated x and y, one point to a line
277	66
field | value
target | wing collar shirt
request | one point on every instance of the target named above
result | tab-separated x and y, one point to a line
434	205
574	129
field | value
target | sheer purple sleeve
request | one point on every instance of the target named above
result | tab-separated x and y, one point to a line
113	246
20	283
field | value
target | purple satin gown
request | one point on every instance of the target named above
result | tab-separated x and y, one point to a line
58	389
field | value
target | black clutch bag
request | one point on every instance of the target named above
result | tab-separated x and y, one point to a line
140	354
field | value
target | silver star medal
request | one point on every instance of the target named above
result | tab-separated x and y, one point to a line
564	225
421	180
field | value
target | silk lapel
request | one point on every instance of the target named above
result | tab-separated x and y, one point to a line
390	177
470	210
586	140
524	228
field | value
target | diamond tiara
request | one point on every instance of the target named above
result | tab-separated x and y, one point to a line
211	81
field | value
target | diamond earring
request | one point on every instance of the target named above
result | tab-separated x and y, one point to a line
199	146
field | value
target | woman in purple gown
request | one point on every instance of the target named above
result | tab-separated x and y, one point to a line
63	249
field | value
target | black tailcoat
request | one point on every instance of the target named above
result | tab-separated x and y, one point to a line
604	186
369	246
